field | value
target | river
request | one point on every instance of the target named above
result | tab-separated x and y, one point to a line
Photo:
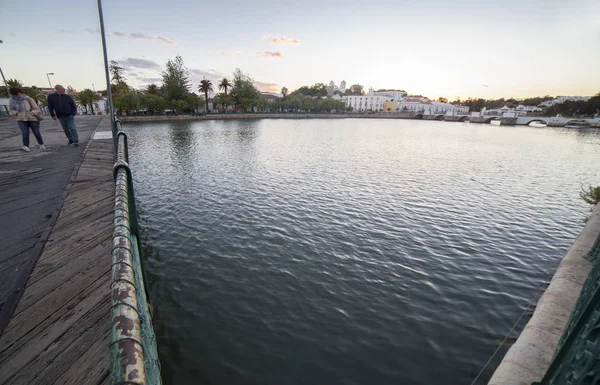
350	251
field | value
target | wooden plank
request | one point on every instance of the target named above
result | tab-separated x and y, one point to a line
58	264
60	329
64	362
68	281
19	350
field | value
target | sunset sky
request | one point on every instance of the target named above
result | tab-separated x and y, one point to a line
432	47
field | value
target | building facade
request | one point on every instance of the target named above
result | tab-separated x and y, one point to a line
362	103
393	95
418	106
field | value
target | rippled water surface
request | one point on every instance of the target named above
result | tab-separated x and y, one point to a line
350	251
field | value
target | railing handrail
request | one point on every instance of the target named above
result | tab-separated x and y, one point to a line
133	353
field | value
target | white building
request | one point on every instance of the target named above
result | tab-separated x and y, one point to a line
331	88
393	95
365	102
425	107
562	99
522	108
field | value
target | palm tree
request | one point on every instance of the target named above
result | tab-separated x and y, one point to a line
10	83
284	92
206	87
152	89
225	85
82	99
87	97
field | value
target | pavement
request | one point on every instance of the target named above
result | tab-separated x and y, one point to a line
32	188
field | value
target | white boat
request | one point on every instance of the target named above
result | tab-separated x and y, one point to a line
495	122
537	124
576	124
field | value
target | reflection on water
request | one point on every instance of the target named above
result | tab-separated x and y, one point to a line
349	251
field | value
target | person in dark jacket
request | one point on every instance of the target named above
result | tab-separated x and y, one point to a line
62	107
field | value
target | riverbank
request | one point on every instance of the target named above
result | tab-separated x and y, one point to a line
164	118
382	115
530	357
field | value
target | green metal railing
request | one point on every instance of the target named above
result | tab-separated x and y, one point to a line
577	357
133	352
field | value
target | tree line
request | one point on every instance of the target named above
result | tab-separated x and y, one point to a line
175	93
568	108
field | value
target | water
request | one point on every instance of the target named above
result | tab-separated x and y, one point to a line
350	251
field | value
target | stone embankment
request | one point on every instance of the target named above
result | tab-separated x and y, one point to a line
530	357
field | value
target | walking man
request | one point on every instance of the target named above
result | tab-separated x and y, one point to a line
62	106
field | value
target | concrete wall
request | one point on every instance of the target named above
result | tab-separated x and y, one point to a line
530	357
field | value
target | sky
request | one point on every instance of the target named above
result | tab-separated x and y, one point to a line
459	48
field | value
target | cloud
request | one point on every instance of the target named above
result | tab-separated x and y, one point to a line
150	80
267	87
269	54
132	35
234	53
282	40
137	35
139	63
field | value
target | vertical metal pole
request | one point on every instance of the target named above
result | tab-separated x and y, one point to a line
48	76
5	83
106	72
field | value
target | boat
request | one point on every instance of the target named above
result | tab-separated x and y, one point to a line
578	124
538	124
495	122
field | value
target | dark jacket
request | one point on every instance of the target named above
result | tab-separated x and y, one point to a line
61	106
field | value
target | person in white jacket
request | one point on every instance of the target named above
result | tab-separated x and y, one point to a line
26	109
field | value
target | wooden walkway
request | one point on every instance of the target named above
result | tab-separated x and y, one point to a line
59	331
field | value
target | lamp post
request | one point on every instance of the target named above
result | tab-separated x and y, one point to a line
3	78
48	76
108	92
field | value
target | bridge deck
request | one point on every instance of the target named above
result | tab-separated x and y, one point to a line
59	331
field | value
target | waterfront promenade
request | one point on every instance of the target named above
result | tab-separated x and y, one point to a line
57	212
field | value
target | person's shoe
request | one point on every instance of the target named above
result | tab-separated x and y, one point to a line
70	143
25	148
42	147
76	144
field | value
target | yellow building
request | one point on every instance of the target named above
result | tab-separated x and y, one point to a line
390	106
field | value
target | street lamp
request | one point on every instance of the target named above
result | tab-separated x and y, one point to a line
3	78
106	72
48	76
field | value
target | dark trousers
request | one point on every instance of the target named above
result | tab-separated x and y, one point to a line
68	125
35	127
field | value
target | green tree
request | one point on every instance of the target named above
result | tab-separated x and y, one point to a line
176	81
153	103
129	101
87	98
116	72
285	92
10	83
223	99
442	99
119	83
225	85
356	89
82	100
152	89
181	105
206	88
193	101
244	93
